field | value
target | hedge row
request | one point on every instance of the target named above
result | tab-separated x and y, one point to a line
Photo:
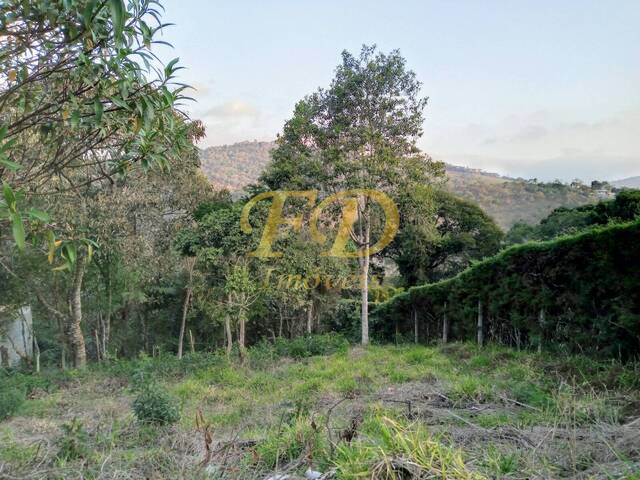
581	293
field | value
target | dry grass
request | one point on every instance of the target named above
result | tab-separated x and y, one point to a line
380	412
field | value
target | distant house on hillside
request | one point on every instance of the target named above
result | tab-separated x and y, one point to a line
16	335
604	194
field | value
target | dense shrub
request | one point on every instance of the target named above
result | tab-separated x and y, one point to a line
16	386
12	396
299	347
586	285
155	405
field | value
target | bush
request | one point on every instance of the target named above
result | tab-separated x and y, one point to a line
74	442
301	347
11	398
287	443
154	405
15	386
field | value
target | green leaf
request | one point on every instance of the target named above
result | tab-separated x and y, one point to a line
13	166
117	17
39	215
9	197
8	144
168	70
120	103
75	118
99	109
18	230
69	253
87	15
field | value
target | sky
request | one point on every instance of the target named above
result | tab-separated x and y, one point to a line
536	89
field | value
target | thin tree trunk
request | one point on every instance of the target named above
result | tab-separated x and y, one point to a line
480	325
36	353
97	340
364	313
191	261
73	330
241	337
106	328
310	318
445	325
541	326
227	331
415	325
192	342
281	321
63	357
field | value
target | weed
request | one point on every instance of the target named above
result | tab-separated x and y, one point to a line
74	442
154	405
392	449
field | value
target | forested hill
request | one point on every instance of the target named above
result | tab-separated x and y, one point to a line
235	166
507	200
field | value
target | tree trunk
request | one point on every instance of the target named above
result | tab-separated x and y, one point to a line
73	330
227	331
541	326
445	325
192	343
241	337
480	326
97	340
63	358
191	261
415	325
364	312
106	326
36	353
310	318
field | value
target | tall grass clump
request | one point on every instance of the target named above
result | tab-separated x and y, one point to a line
393	449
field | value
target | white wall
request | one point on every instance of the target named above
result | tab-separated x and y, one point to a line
16	336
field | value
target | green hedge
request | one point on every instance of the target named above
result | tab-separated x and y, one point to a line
587	285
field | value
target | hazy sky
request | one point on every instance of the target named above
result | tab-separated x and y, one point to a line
546	89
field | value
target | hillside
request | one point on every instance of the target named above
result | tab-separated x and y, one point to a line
507	200
631	182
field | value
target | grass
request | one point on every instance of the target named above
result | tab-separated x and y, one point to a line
413	410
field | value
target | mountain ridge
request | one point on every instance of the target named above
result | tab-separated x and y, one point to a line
508	200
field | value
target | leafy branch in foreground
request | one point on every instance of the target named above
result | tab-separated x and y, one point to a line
82	99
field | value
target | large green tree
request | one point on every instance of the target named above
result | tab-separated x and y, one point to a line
441	235
359	133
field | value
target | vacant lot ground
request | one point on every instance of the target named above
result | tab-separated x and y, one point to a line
381	412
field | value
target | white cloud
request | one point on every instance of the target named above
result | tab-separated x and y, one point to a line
545	145
230	110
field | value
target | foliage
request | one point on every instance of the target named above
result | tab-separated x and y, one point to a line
16	386
288	442
395	449
74	442
154	405
12	396
441	236
590	304
359	133
564	221
298	347
84	100
563	393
